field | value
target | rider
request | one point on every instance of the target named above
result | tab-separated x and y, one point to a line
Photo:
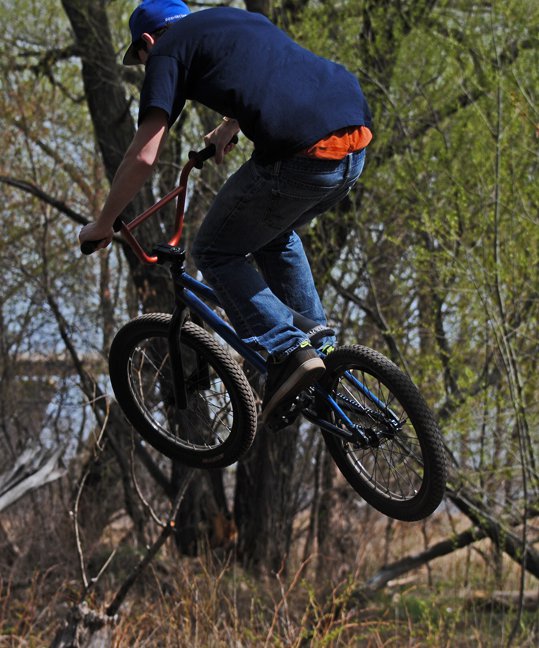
309	122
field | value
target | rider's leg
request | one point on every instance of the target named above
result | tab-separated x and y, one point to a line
283	261
287	271
255	212
235	226
256	207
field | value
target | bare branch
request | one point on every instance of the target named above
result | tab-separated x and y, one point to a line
376	316
78	542
47	58
522	553
60	159
31	470
45	66
409	563
34	190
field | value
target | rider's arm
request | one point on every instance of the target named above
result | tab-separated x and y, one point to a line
135	168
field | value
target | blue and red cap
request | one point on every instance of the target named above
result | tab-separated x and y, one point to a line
150	16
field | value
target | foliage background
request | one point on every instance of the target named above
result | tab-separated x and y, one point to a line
433	260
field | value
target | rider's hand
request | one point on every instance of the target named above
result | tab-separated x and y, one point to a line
221	137
96	232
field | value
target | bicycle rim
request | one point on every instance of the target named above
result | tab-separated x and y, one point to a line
219	421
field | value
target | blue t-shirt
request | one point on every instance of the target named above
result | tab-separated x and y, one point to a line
239	64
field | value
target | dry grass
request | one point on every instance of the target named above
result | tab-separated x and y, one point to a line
212	602
206	603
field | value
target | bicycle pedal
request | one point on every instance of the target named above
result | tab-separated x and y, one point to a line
304	399
281	418
287	414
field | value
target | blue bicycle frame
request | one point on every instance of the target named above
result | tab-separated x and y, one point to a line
189	296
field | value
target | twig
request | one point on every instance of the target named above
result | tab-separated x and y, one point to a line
78	542
114	606
284	598
75	513
144	501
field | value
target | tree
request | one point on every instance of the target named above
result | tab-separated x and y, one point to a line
433	259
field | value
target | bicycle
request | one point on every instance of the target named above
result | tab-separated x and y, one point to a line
186	395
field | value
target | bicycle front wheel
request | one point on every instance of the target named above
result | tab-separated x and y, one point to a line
396	461
219	423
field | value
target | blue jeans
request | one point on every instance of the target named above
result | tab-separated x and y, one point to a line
256	213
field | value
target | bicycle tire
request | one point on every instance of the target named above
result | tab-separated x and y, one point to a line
219	424
400	467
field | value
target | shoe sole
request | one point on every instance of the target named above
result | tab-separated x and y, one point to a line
304	376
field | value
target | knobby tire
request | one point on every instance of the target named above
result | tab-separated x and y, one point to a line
219	423
403	473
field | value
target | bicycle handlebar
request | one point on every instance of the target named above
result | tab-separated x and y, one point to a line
196	159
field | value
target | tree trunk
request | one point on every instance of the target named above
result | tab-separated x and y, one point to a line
259	6
114	130
264	500
84	628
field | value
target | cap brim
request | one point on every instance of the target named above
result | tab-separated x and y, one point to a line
131	56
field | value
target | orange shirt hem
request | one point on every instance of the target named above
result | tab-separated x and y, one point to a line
339	144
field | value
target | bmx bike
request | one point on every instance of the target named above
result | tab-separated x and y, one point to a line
180	386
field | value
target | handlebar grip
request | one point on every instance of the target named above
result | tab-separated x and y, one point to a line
206	153
201	156
88	247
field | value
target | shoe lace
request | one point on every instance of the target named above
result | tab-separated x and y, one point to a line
326	349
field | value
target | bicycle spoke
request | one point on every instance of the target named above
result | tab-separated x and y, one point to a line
389	449
393	469
207	421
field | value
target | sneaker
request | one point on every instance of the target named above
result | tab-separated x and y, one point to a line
286	379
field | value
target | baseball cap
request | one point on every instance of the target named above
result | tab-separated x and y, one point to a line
150	16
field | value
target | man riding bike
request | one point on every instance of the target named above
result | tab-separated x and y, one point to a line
309	123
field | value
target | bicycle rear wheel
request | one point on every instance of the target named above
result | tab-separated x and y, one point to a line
397	463
219	423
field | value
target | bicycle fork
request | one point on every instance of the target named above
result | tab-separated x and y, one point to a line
174	257
175	353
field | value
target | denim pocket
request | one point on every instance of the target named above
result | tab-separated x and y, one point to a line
306	179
